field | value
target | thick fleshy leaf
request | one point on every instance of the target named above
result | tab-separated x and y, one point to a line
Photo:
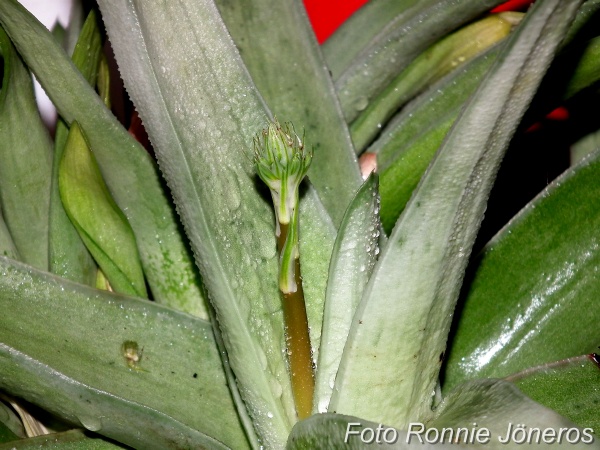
26	161
529	302
317	235
588	69
402	40
400	328
130	173
355	34
287	66
409	142
113	364
571	388
7	246
441	58
354	255
584	147
68	440
202	111
102	226
11	427
500	407
69	257
477	415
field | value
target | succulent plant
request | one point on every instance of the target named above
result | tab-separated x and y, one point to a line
154	299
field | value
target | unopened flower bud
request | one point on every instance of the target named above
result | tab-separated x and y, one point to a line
281	162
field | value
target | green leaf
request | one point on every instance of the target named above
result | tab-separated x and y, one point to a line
478	413
123	161
68	440
588	69
11	427
7	246
569	387
202	111
584	147
355	34
26	155
529	302
496	405
287	66
61	347
76	20
100	223
409	142
354	255
330	431
397	45
69	257
317	235
441	58
400	328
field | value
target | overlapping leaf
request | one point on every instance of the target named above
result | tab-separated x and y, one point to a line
175	396
530	300
69	257
202	111
129	171
400	328
26	154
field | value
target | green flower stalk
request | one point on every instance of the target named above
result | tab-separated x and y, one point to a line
282	162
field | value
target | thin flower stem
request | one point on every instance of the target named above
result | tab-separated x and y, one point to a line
282	162
297	335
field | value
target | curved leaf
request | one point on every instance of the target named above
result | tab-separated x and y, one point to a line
570	388
287	66
7	246
361	28
123	161
354	255
408	143
500	407
397	45
68	440
202	111
476	415
102	226
26	155
400	328
441	58
529	302
69	258
61	347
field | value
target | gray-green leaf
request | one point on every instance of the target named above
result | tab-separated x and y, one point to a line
26	155
62	348
124	163
201	110
354	254
102	226
400	329
69	257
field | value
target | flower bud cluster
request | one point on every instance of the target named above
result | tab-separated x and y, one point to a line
281	162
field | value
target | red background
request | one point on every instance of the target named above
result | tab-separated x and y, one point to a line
327	15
